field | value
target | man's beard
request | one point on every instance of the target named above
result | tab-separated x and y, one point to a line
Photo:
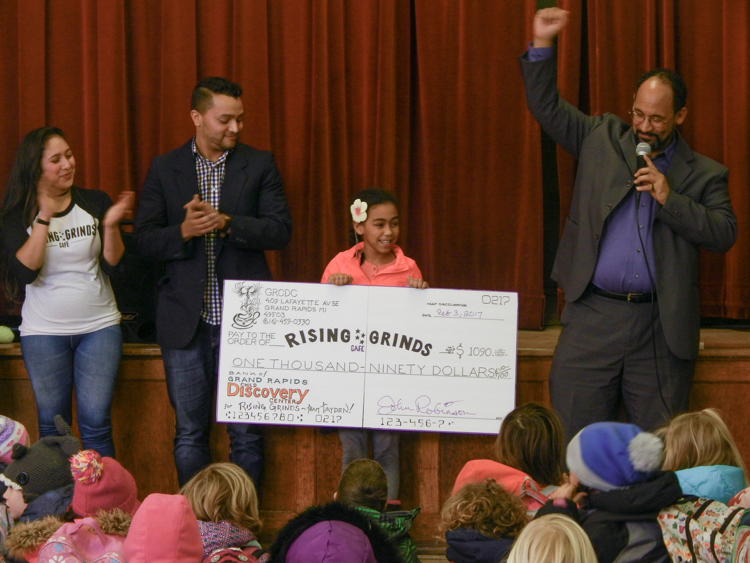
656	144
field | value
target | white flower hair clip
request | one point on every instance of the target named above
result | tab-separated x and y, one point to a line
359	210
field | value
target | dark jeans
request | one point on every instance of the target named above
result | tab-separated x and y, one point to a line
191	383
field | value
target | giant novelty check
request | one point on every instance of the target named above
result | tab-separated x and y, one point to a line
360	356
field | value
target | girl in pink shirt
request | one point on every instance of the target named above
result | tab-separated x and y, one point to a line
374	260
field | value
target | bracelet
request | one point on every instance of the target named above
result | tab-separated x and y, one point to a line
42	222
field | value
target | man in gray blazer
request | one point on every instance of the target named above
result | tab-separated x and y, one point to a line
208	210
628	257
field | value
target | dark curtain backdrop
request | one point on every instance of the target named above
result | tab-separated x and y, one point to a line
610	44
422	97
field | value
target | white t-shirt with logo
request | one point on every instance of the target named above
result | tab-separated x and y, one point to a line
71	294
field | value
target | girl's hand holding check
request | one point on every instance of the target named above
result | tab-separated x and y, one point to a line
340	279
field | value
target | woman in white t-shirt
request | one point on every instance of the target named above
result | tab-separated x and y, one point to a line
60	243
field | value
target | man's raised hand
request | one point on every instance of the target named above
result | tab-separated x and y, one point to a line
548	22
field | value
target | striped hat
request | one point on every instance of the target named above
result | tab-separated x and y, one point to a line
11	432
613	455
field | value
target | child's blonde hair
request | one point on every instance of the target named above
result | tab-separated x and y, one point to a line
223	491
531	440
552	538
363	483
696	439
485	507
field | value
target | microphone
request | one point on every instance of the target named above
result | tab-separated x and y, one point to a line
640	150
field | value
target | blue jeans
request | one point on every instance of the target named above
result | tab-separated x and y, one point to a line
191	382
89	362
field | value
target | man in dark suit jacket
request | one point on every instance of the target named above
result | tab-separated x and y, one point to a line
208	210
627	260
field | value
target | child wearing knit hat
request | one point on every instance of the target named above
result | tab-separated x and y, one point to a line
34	472
104	493
104	499
333	533
39	489
619	466
102	484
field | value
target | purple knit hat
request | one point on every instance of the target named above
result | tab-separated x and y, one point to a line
612	455
331	541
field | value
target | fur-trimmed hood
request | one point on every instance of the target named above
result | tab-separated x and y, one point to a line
31	536
383	548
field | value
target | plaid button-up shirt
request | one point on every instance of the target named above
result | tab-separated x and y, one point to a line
210	180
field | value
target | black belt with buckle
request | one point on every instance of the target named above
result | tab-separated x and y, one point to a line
630	297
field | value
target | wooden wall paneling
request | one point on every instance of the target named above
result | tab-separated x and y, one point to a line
327	463
17	398
305	467
427	484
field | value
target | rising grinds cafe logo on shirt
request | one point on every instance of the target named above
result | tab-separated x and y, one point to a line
64	237
250	308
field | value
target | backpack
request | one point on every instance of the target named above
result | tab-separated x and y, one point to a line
699	529
82	542
236	555
741	549
513	480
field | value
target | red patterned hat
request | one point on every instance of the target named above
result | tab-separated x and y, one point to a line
101	483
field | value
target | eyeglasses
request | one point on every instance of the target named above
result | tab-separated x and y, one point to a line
656	122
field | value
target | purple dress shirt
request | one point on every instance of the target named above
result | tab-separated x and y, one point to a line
621	263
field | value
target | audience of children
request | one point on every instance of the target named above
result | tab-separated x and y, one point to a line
620	466
529	452
700	449
620	479
553	538
105	496
481	522
364	486
224	499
